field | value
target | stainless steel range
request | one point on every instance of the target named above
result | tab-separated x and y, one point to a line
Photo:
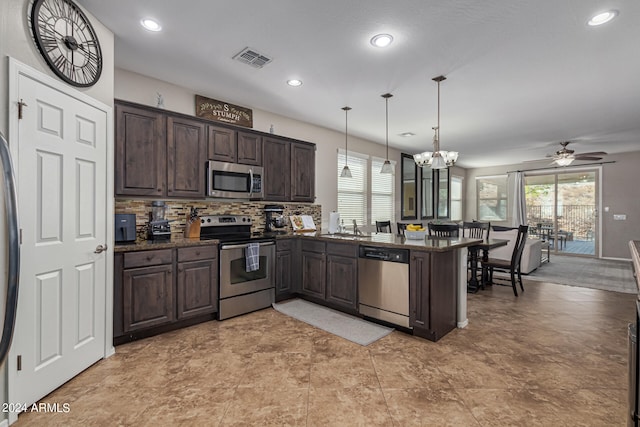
242	289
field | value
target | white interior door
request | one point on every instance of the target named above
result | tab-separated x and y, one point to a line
62	188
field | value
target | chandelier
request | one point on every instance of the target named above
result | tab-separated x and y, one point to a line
437	159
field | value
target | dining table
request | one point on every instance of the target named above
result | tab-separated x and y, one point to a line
473	285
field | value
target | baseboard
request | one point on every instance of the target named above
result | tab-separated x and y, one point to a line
4	423
617	259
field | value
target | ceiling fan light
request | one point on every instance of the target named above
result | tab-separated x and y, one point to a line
564	161
346	172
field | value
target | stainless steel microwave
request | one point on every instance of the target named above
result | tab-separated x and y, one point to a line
234	181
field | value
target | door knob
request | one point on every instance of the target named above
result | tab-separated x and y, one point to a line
100	249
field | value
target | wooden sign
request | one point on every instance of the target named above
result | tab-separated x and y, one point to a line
221	111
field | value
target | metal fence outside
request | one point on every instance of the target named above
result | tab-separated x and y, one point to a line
579	220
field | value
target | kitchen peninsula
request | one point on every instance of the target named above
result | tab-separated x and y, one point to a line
322	268
437	276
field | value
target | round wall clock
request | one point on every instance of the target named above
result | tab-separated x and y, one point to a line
67	41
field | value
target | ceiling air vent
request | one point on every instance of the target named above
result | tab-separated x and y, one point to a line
252	57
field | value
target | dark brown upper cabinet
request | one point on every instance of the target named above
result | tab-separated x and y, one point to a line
277	169
221	144
303	172
140	152
186	151
249	149
163	154
228	145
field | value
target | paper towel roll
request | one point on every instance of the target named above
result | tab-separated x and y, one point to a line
334	222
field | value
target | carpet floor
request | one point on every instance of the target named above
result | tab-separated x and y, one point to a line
607	275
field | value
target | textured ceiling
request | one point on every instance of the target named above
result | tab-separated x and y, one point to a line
521	75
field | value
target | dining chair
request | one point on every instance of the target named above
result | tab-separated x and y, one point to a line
402	226
383	226
476	230
443	230
513	265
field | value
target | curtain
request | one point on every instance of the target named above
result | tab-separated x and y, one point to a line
515	182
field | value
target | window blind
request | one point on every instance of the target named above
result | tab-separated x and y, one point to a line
382	192
352	192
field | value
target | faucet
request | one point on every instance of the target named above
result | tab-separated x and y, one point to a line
356	230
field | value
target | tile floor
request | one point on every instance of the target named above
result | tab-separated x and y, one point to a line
555	356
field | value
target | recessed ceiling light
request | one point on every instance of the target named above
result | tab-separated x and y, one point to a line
407	134
382	40
294	82
150	24
602	18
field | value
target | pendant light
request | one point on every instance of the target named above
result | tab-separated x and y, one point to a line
346	172
386	166
437	158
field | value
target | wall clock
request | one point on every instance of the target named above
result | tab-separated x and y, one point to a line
67	41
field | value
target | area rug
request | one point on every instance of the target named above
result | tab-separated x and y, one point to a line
593	273
343	325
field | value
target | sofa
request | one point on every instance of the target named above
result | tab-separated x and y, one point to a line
531	254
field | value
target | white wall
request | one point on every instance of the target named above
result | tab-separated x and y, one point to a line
141	89
16	41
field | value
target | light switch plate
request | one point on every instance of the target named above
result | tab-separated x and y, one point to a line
619	217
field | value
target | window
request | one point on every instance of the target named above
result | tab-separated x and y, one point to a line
366	188
492	198
456	198
382	194
352	192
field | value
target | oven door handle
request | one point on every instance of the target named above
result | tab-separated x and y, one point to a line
244	245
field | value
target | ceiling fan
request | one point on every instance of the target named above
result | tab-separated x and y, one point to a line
565	156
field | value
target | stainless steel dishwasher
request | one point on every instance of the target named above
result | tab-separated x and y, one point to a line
383	284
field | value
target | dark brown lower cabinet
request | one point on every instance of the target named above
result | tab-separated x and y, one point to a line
433	291
197	284
148	289
284	268
330	273
342	275
160	290
313	268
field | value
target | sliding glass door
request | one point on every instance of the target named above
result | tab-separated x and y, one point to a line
562	210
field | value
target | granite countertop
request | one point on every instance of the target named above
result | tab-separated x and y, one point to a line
389	240
441	244
175	242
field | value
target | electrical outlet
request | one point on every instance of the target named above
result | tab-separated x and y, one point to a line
619	217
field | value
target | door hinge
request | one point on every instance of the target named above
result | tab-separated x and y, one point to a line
19	363
21	104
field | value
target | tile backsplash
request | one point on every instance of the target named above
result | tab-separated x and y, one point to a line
178	210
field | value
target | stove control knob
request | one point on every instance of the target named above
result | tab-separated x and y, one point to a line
202	220
208	219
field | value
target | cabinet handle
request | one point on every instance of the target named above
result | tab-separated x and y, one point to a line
180	270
